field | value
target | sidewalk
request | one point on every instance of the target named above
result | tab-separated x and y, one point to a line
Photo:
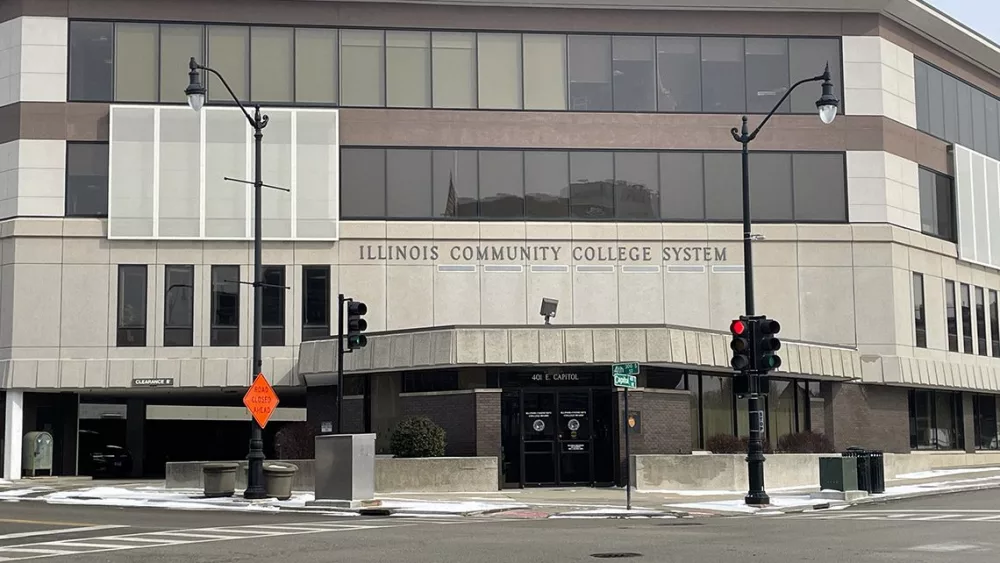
517	503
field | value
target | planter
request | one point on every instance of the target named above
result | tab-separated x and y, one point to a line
220	479
278	479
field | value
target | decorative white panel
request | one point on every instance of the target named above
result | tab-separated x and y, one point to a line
168	170
977	198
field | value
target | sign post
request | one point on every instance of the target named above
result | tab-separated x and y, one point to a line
625	377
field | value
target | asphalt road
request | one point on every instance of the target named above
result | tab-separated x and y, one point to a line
952	528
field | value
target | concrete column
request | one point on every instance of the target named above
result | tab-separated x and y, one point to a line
968	423
135	431
13	431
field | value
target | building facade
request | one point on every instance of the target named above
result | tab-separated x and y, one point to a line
451	165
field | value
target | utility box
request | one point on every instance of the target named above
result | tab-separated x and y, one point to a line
838	474
37	453
345	470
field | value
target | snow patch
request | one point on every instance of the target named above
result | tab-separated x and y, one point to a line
458	507
945	472
740	506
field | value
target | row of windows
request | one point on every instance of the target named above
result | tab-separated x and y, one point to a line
936	421
972	342
596	185
937	204
179	302
147	62
956	111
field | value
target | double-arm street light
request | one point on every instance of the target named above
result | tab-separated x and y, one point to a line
196	99
827	106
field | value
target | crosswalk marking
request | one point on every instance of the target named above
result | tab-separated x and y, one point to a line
907	516
73	530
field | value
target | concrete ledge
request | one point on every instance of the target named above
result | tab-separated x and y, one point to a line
392	475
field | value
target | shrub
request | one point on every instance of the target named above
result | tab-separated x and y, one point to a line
729	444
295	440
417	437
805	443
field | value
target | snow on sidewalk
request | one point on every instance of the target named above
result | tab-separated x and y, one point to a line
738	506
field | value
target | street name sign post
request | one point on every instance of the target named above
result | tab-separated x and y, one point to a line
624	376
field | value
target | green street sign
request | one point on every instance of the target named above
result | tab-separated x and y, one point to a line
629	368
628	381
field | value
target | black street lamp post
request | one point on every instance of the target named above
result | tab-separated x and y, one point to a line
196	99
827	106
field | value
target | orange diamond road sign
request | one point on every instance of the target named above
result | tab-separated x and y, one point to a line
261	400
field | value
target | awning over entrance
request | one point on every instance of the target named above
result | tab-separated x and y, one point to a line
447	347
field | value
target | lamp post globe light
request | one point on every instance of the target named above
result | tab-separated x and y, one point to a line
826	106
195	92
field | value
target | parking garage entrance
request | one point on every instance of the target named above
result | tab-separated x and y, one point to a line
558	428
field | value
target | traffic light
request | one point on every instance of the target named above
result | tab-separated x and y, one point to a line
766	345
356	324
741	330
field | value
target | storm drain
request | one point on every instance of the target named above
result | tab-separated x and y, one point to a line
619	555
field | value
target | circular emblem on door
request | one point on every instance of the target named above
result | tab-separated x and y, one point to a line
573	424
538	425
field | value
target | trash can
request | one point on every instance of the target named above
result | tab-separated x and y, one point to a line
877	471
278	479
220	479
863	457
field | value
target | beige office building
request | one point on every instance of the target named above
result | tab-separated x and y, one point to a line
452	165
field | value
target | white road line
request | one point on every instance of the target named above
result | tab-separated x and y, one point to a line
935	511
56	531
42	551
141	539
265	528
938	517
903	515
993	518
194	535
87	545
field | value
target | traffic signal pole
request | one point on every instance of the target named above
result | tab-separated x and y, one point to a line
340	362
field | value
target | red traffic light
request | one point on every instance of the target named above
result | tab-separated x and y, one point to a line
738	327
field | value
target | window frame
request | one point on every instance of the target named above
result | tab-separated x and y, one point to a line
965	303
66	189
951	316
919	311
186	333
982	340
221	335
133	335
312	331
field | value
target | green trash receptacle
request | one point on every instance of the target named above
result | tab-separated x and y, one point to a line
838	473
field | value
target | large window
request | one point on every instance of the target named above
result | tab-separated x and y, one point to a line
954	110
966	318
273	294
937	204
936	421
994	324
147	62
178	306
315	302
984	416
86	179
919	320
225	306
132	305
951	314
588	185
981	322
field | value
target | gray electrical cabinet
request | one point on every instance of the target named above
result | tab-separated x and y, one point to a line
37	453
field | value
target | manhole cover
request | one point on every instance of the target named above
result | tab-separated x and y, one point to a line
620	555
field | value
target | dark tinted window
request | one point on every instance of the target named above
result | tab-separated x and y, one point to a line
589	72
770	186
723	187
362	183
178	306
501	184
920	71
767	74
591	189
937	204
273	300
456	184
994	324
819	185
86	179
965	128
682	186
966	298
919	320
678	74
950	88
131	305
981	322
935	102
408	183
315	302
91	61
722	75
992	128
807	58
225	306
951	314
634	73
637	195
546	184
979	121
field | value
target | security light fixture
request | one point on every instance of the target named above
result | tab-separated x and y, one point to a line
548	309
195	90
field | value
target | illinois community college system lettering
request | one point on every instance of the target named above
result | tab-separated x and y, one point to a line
541	253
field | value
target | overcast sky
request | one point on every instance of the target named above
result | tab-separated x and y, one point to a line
981	15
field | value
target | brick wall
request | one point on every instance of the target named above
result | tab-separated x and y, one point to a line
665	423
455	412
869	416
488	439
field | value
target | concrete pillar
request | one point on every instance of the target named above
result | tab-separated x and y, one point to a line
13	431
135	431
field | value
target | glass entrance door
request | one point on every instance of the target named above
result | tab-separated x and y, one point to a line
575	447
539	437
557	437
